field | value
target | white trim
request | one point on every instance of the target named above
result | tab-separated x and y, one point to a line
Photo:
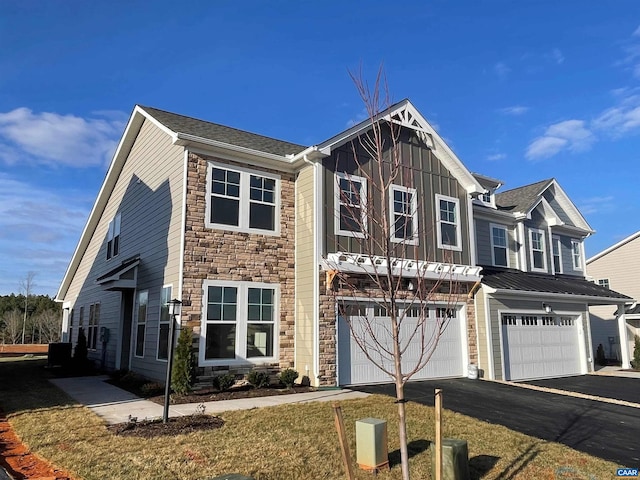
490	353
160	322
544	249
137	323
471	223
493	245
522	253
580	264
458	222
318	239
240	323
555	238
244	201
413	214
337	201
621	243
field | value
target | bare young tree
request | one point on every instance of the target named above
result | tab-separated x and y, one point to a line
413	299
12	326
26	287
50	326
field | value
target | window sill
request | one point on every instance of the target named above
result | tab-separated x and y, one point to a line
232	228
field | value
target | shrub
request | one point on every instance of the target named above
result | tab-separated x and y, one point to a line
258	378
600	358
182	373
636	353
151	389
288	377
224	382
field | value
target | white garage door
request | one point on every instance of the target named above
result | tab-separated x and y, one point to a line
355	368
540	346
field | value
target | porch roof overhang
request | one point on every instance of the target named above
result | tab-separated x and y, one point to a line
505	281
122	277
400	267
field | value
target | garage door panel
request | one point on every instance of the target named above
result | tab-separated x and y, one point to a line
538	351
355	368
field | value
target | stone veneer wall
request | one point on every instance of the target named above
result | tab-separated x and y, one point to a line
328	335
227	255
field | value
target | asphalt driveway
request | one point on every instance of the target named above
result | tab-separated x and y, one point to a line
605	430
619	388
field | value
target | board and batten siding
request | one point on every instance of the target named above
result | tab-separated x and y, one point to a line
424	172
304	272
148	196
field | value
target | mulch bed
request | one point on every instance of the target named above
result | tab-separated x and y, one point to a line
175	426
211	395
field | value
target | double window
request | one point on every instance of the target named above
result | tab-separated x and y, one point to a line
113	237
141	322
242	200
499	246
403	205
350	205
239	322
448	215
604	282
538	257
576	254
164	323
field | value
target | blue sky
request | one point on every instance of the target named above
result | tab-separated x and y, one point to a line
521	91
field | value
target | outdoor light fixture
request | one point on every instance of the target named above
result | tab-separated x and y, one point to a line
175	307
410	286
547	307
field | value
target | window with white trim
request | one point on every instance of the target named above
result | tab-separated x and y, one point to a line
403	208
70	326
164	323
499	245
242	200
449	229
576	254
92	329
113	237
557	254
239	322
604	282
141	322
350	198
538	257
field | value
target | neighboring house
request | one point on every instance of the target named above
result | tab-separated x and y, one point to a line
533	307
617	267
243	230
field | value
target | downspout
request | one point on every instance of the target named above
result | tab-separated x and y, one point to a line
522	254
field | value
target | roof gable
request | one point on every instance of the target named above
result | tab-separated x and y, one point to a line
406	115
618	245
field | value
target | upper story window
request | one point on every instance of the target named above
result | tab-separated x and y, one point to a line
239	322
557	254
350	202
538	257
242	200
604	282
448	215
499	245
164	323
576	254
113	237
404	214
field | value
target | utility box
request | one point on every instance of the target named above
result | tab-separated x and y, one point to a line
371	444
455	459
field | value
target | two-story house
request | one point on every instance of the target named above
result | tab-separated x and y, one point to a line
247	231
533	307
617	267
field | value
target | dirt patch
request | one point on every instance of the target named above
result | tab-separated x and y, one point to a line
16	458
175	426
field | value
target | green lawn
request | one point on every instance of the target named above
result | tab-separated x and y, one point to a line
278	443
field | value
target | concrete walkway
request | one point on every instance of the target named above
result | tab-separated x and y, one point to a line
115	405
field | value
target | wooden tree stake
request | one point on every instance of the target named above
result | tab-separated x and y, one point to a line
346	456
438	452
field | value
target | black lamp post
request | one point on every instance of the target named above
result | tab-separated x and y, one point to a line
175	306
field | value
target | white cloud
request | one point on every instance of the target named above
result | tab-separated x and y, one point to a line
636	32
556	56
622	118
39	229
359	117
569	135
589	206
496	156
514	110
55	139
501	69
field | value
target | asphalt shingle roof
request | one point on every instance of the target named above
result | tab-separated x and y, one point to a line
522	198
221	133
510	279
